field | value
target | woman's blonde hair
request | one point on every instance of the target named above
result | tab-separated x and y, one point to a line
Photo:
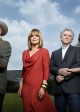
40	38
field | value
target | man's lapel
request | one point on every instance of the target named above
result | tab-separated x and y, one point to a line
60	55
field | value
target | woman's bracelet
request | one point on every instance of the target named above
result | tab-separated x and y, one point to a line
44	84
44	87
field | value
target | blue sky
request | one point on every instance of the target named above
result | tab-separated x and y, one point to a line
49	16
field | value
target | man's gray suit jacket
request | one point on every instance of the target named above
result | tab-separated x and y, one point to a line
5	52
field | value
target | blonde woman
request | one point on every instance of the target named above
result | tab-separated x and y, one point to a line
35	73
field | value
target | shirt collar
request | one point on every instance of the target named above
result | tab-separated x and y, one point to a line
65	47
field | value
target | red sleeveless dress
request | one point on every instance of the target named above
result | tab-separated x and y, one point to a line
35	70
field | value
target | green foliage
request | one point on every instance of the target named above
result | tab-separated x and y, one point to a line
11	88
50	84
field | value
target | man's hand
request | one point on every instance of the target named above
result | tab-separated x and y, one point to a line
59	78
64	72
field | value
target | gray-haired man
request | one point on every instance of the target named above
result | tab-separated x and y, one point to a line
66	88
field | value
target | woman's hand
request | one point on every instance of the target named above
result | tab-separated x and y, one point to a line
41	93
19	91
20	87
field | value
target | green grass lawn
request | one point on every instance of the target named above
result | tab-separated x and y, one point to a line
13	103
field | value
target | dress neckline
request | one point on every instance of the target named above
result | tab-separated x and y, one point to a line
33	53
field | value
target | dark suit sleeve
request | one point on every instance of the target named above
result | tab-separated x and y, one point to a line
77	60
4	55
53	69
76	64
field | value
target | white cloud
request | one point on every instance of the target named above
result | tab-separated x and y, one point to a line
11	2
17	36
43	13
40	12
77	9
